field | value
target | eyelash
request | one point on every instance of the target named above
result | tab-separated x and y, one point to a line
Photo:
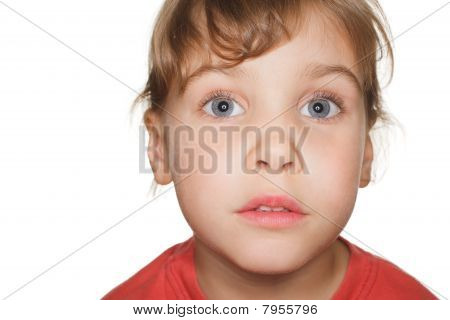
219	93
328	95
320	94
215	94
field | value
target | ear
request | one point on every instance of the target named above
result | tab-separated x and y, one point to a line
156	150
366	168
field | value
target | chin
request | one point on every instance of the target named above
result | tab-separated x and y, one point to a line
266	262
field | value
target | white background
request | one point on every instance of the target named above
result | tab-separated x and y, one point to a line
69	158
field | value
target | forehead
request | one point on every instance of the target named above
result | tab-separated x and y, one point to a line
319	46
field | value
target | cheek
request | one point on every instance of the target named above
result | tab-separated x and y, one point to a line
206	151
207	188
333	157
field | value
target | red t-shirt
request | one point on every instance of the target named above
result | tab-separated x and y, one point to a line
172	276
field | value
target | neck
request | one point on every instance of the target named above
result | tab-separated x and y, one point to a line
220	279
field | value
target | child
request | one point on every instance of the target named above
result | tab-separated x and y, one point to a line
266	213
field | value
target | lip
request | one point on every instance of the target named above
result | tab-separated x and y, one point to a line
274	219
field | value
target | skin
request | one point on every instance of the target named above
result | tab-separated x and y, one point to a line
237	260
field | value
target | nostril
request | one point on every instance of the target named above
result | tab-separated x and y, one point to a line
286	165
261	164
290	167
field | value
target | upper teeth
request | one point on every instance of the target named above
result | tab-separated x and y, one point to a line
266	208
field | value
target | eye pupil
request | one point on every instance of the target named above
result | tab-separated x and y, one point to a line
223	106
318	107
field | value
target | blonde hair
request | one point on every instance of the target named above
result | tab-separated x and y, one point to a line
236	30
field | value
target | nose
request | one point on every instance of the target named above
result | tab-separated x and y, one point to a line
274	161
275	151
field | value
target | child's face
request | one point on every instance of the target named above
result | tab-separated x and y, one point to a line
337	153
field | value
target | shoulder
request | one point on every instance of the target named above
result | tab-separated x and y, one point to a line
150	282
392	282
386	280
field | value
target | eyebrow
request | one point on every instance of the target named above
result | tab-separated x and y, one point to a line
321	70
313	70
236	72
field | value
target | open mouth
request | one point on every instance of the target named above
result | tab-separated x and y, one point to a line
263	208
272	211
272	203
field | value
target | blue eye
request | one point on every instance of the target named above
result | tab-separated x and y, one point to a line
223	107
320	108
